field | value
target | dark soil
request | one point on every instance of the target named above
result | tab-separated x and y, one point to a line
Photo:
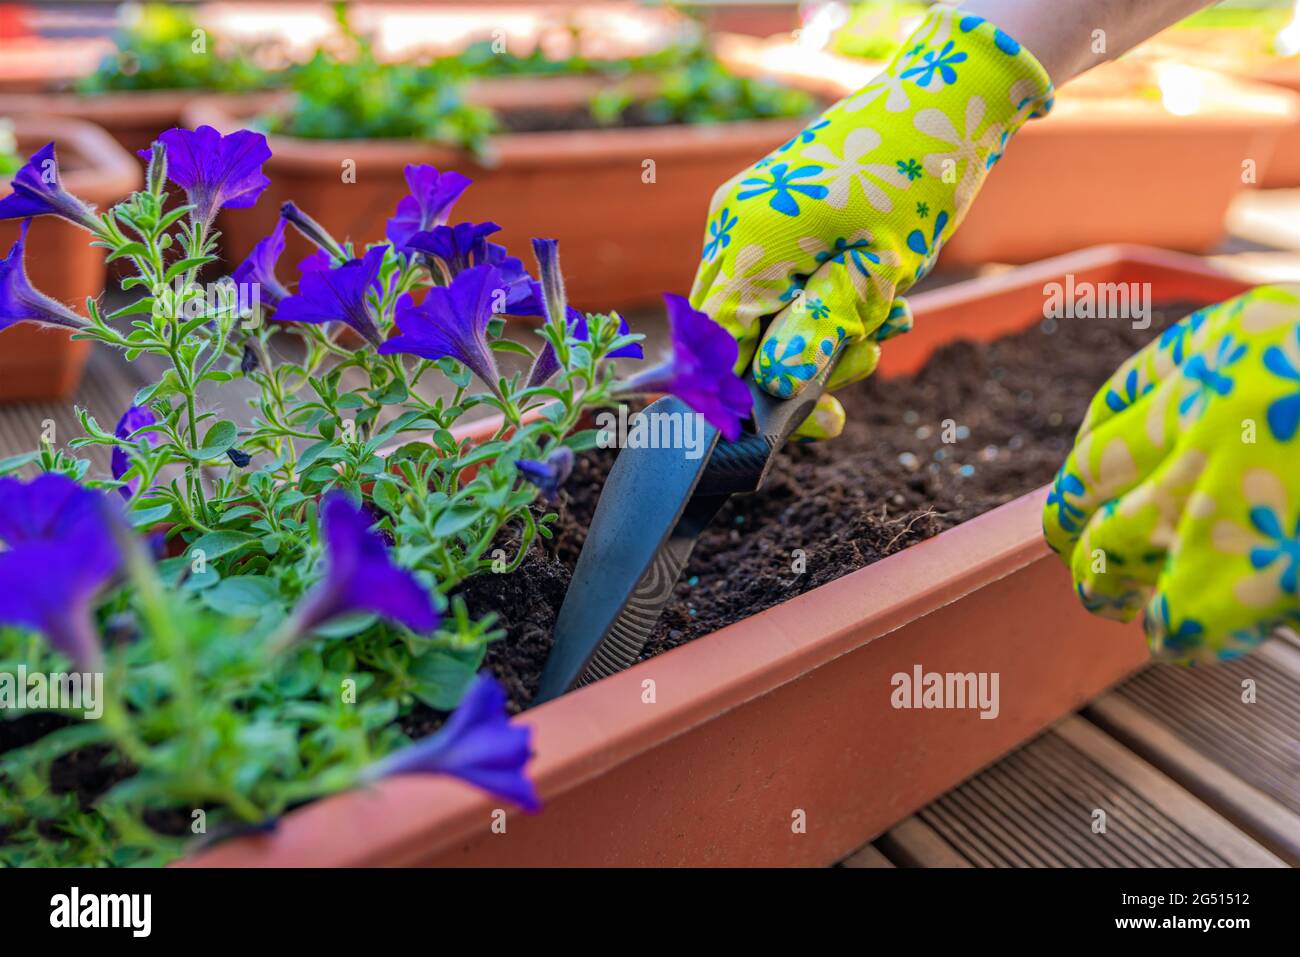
889	482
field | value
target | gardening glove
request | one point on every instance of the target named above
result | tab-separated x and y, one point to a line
825	232
1182	495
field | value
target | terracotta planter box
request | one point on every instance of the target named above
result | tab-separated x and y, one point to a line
1284	171
789	710
133	119
625	241
37	363
1241	53
1136	151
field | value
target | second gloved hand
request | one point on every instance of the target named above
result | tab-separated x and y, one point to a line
825	232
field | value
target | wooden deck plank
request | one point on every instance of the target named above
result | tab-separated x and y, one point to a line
911	843
867	856
1198	821
1268	821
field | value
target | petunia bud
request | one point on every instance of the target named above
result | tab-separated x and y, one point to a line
313	230
156	174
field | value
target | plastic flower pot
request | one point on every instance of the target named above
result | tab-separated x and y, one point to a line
628	205
1136	151
41	363
133	119
788	711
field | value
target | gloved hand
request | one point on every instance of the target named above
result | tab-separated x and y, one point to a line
1182	495
825	232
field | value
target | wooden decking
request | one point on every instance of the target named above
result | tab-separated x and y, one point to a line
1179	766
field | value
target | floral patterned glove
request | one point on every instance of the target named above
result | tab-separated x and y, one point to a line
1182	494
827	230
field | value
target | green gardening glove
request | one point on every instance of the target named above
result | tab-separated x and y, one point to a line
1181	498
825	232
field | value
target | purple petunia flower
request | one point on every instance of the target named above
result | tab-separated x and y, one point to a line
432	196
338	295
547	252
478	744
456	247
360	576
38	191
700	369
60	550
452	323
545	300
316	262
134	419
259	267
549	474
19	302
216	172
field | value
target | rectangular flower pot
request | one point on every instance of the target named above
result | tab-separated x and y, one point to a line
1137	151
40	363
1243	52
133	119
774	741
628	205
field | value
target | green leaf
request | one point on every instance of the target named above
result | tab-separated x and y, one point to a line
456	519
325	451
180	266
442	676
222	542
146	517
509	345
243	596
583	441
346	627
387	495
139	307
15	462
220	437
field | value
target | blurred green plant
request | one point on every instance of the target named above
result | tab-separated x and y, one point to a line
701	90
10	158
482	59
354	95
162	47
876	28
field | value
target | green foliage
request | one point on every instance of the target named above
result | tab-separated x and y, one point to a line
702	90
163	48
363	98
481	59
212	703
876	28
10	159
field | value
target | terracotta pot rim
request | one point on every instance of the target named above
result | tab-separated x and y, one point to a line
134	107
585	734
576	147
107	173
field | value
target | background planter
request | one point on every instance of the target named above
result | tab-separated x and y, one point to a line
1242	52
38	363
788	710
1108	165
133	119
1121	155
625	240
